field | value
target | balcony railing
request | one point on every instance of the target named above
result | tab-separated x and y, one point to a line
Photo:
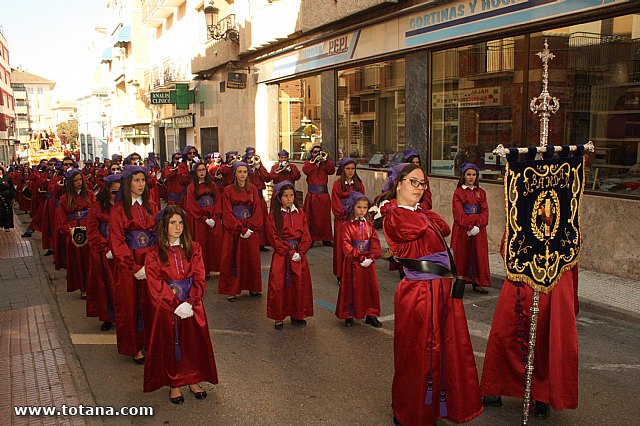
169	71
223	29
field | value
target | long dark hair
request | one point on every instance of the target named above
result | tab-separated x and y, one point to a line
208	180
163	235
104	197
391	193
476	183
125	187
246	183
71	192
356	178
277	207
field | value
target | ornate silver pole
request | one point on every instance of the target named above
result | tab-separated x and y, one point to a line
544	105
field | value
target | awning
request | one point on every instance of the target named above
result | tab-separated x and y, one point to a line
124	36
107	55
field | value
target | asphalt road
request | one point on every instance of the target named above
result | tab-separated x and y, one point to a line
325	373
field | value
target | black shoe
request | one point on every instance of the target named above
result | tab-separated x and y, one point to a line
348	322
541	410
327	243
279	325
106	326
480	289
140	361
199	395
263	248
177	399
49	252
492	401
339	279
373	321
231	298
298	321
255	294
396	422
27	233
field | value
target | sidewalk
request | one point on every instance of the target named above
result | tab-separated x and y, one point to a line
600	293
36	356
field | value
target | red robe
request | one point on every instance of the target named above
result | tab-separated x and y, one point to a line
291	176
359	295
40	182
259	177
131	299
431	339
24	204
207	206
338	197
317	205
226	171
240	261
77	258
52	236
152	182
471	254
555	372
290	293
191	360
100	290
173	183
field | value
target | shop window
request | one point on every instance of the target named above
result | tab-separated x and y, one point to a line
371	113
300	125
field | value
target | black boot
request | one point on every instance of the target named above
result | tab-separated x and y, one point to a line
49	252
373	321
492	401
327	243
28	233
541	410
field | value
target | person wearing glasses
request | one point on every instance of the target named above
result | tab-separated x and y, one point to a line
347	182
317	202
469	237
435	374
100	291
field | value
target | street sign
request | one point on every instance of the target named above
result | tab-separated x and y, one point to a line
158	98
236	80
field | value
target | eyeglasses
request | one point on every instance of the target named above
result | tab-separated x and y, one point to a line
315	152
417	184
67	164
115	169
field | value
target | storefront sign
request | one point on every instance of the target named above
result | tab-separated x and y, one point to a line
236	80
134	132
468	98
158	98
182	122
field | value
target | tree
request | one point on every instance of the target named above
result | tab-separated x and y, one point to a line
68	133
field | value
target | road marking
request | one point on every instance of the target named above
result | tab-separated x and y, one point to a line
325	305
231	332
613	367
93	339
478	354
390	317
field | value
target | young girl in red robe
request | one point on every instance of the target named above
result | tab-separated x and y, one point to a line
317	203
290	293
73	212
359	295
100	291
435	373
241	219
180	351
132	236
204	209
342	187
469	237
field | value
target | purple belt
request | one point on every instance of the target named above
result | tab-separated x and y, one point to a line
206	201
139	239
49	195
471	208
318	189
362	245
175	196
242	212
79	215
293	244
181	288
440	258
103	227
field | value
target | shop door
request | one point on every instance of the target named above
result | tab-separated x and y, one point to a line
163	144
182	139
209	140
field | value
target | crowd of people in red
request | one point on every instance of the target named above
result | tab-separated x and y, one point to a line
145	268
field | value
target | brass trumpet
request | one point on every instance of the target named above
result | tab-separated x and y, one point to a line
322	156
235	158
255	160
284	166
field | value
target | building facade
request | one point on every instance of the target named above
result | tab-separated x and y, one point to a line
451	79
8	134
38	98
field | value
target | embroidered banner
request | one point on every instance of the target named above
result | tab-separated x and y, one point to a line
543	235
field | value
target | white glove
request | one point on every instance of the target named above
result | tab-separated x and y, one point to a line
474	231
366	263
141	274
109	255
210	222
180	160
184	310
296	257
246	234
158	174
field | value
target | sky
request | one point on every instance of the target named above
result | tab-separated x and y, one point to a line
51	38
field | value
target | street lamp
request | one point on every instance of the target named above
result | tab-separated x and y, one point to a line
224	29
